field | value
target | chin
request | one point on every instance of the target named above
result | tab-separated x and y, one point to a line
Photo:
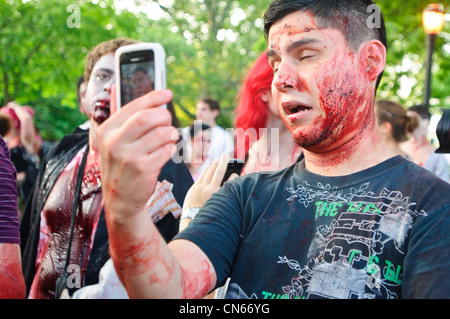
314	139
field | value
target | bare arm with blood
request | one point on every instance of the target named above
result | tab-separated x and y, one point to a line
12	285
134	144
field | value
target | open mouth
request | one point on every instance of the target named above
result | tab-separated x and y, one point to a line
292	108
102	111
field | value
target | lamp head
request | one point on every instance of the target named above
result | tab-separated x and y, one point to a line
433	18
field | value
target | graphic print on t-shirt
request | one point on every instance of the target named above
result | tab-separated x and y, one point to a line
346	256
358	246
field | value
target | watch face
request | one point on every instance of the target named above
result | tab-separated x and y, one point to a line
190	212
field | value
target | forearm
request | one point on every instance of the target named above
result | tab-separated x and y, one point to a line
27	134
142	259
149	268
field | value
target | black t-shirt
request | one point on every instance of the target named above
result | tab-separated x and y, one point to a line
18	159
378	233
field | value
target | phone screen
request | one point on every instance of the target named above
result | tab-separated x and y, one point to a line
137	74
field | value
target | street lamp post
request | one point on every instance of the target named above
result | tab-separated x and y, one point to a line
433	22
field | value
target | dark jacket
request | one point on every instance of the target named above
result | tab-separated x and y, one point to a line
53	164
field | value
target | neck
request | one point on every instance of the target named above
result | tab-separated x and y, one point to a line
211	124
276	122
93	156
361	152
275	128
11	140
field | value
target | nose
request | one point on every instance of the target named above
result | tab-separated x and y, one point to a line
285	78
108	85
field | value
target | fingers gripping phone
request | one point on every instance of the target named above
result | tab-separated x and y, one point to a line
140	68
234	166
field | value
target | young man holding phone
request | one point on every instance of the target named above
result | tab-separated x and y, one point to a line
46	224
352	220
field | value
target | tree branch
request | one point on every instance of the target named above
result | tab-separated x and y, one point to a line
17	75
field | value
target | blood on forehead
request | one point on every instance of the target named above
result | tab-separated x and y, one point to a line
294	24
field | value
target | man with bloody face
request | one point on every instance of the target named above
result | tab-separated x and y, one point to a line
351	220
48	239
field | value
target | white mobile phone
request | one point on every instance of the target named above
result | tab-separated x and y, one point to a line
140	68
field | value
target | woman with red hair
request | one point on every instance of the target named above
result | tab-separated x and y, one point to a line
261	136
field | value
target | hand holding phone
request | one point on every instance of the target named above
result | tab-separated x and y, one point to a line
234	167
140	68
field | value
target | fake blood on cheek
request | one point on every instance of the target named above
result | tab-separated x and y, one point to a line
344	96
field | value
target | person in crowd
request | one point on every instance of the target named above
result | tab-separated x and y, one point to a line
5	124
24	132
141	82
24	145
12	284
200	135
63	230
353	219
81	100
262	137
208	110
395	124
419	148
81	94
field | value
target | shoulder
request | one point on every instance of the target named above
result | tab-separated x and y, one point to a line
68	143
423	187
265	182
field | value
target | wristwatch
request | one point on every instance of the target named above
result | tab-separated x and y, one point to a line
189	212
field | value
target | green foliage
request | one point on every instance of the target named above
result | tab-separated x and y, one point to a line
42	56
407	54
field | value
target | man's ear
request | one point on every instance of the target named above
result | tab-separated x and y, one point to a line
373	59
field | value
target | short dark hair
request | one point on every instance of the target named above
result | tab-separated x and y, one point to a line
443	132
5	124
212	103
422	110
140	69
348	16
197	127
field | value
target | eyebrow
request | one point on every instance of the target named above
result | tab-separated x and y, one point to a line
294	45
105	70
